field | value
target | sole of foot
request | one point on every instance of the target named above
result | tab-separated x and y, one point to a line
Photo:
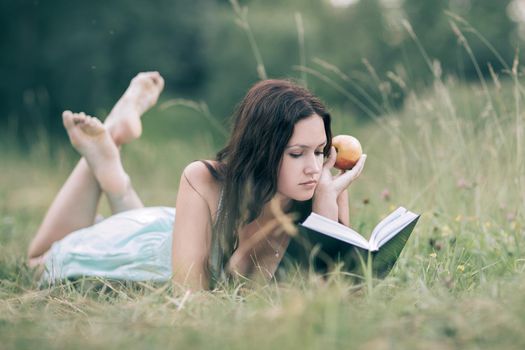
91	139
123	122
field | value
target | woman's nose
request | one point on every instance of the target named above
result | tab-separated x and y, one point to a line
313	165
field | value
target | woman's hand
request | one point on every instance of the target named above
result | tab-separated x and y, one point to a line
334	185
330	192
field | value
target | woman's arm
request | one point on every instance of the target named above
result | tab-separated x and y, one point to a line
324	205
343	209
192	229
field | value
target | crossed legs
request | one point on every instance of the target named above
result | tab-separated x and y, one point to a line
100	169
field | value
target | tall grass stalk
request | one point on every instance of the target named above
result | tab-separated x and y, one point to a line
242	21
463	41
200	107
302	51
357	85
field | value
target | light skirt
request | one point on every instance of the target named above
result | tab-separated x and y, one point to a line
134	245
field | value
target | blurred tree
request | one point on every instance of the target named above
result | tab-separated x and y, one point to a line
433	28
81	55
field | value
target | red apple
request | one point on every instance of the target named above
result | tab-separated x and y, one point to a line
348	151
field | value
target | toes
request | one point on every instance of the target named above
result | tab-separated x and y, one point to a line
67	119
141	76
154	77
158	81
90	121
157	78
79	118
95	122
71	119
92	125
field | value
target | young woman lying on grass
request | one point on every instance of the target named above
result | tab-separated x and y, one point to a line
279	153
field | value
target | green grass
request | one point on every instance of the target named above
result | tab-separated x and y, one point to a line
458	284
454	153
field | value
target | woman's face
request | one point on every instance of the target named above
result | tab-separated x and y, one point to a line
302	160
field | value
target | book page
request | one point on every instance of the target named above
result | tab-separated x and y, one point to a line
336	230
391	217
391	229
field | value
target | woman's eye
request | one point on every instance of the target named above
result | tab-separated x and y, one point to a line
318	153
295	155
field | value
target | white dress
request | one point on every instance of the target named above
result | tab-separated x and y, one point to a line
133	245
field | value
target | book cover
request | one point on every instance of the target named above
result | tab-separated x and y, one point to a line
322	243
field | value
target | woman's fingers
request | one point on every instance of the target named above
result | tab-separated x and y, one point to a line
360	165
330	161
345	179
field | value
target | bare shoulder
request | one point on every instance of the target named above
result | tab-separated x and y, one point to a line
198	173
202	181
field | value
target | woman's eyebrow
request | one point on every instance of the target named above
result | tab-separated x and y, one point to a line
305	146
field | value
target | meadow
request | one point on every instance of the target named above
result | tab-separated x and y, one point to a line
454	153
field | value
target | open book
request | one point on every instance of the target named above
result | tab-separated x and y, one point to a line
323	242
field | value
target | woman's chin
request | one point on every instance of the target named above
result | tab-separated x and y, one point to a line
299	196
302	197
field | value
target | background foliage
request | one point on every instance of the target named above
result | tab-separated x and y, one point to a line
81	55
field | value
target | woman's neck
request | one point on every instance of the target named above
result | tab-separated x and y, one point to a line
284	205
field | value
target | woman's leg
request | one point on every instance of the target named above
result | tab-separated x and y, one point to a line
99	170
76	204
67	213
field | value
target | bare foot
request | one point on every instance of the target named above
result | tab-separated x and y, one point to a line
92	140
123	122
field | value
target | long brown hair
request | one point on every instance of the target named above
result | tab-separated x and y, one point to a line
248	166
